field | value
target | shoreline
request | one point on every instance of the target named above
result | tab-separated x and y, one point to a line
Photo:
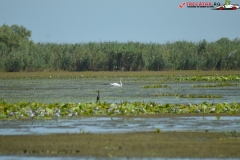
62	74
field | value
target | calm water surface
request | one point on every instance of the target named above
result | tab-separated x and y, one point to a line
85	90
120	125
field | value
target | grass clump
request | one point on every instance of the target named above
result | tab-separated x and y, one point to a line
158	130
200	96
155	86
214	85
215	78
188	95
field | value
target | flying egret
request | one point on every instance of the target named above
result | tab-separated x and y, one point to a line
117	84
231	53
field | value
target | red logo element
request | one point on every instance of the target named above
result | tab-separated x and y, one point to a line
214	6
183	4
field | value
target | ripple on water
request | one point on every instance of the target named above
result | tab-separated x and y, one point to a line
119	125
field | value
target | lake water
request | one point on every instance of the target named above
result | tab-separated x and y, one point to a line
120	125
85	90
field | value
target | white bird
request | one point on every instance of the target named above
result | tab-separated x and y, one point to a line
69	113
117	84
231	53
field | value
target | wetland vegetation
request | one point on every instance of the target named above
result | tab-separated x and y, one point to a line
173	86
24	110
156	86
189	95
38	81
19	53
214	85
33	86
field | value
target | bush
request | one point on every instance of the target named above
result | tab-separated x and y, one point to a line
13	64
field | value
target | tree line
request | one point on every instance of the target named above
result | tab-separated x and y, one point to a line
19	53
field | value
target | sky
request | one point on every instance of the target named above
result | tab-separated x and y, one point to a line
145	21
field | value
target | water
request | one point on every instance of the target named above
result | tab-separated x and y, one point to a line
85	90
119	125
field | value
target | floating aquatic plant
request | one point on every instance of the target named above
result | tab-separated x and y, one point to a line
188	95
209	78
167	94
26	110
214	85
200	96
156	86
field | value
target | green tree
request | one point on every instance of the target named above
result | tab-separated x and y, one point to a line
14	37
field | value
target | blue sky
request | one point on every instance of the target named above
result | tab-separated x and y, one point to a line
147	21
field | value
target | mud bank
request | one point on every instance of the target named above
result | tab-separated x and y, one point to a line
145	144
